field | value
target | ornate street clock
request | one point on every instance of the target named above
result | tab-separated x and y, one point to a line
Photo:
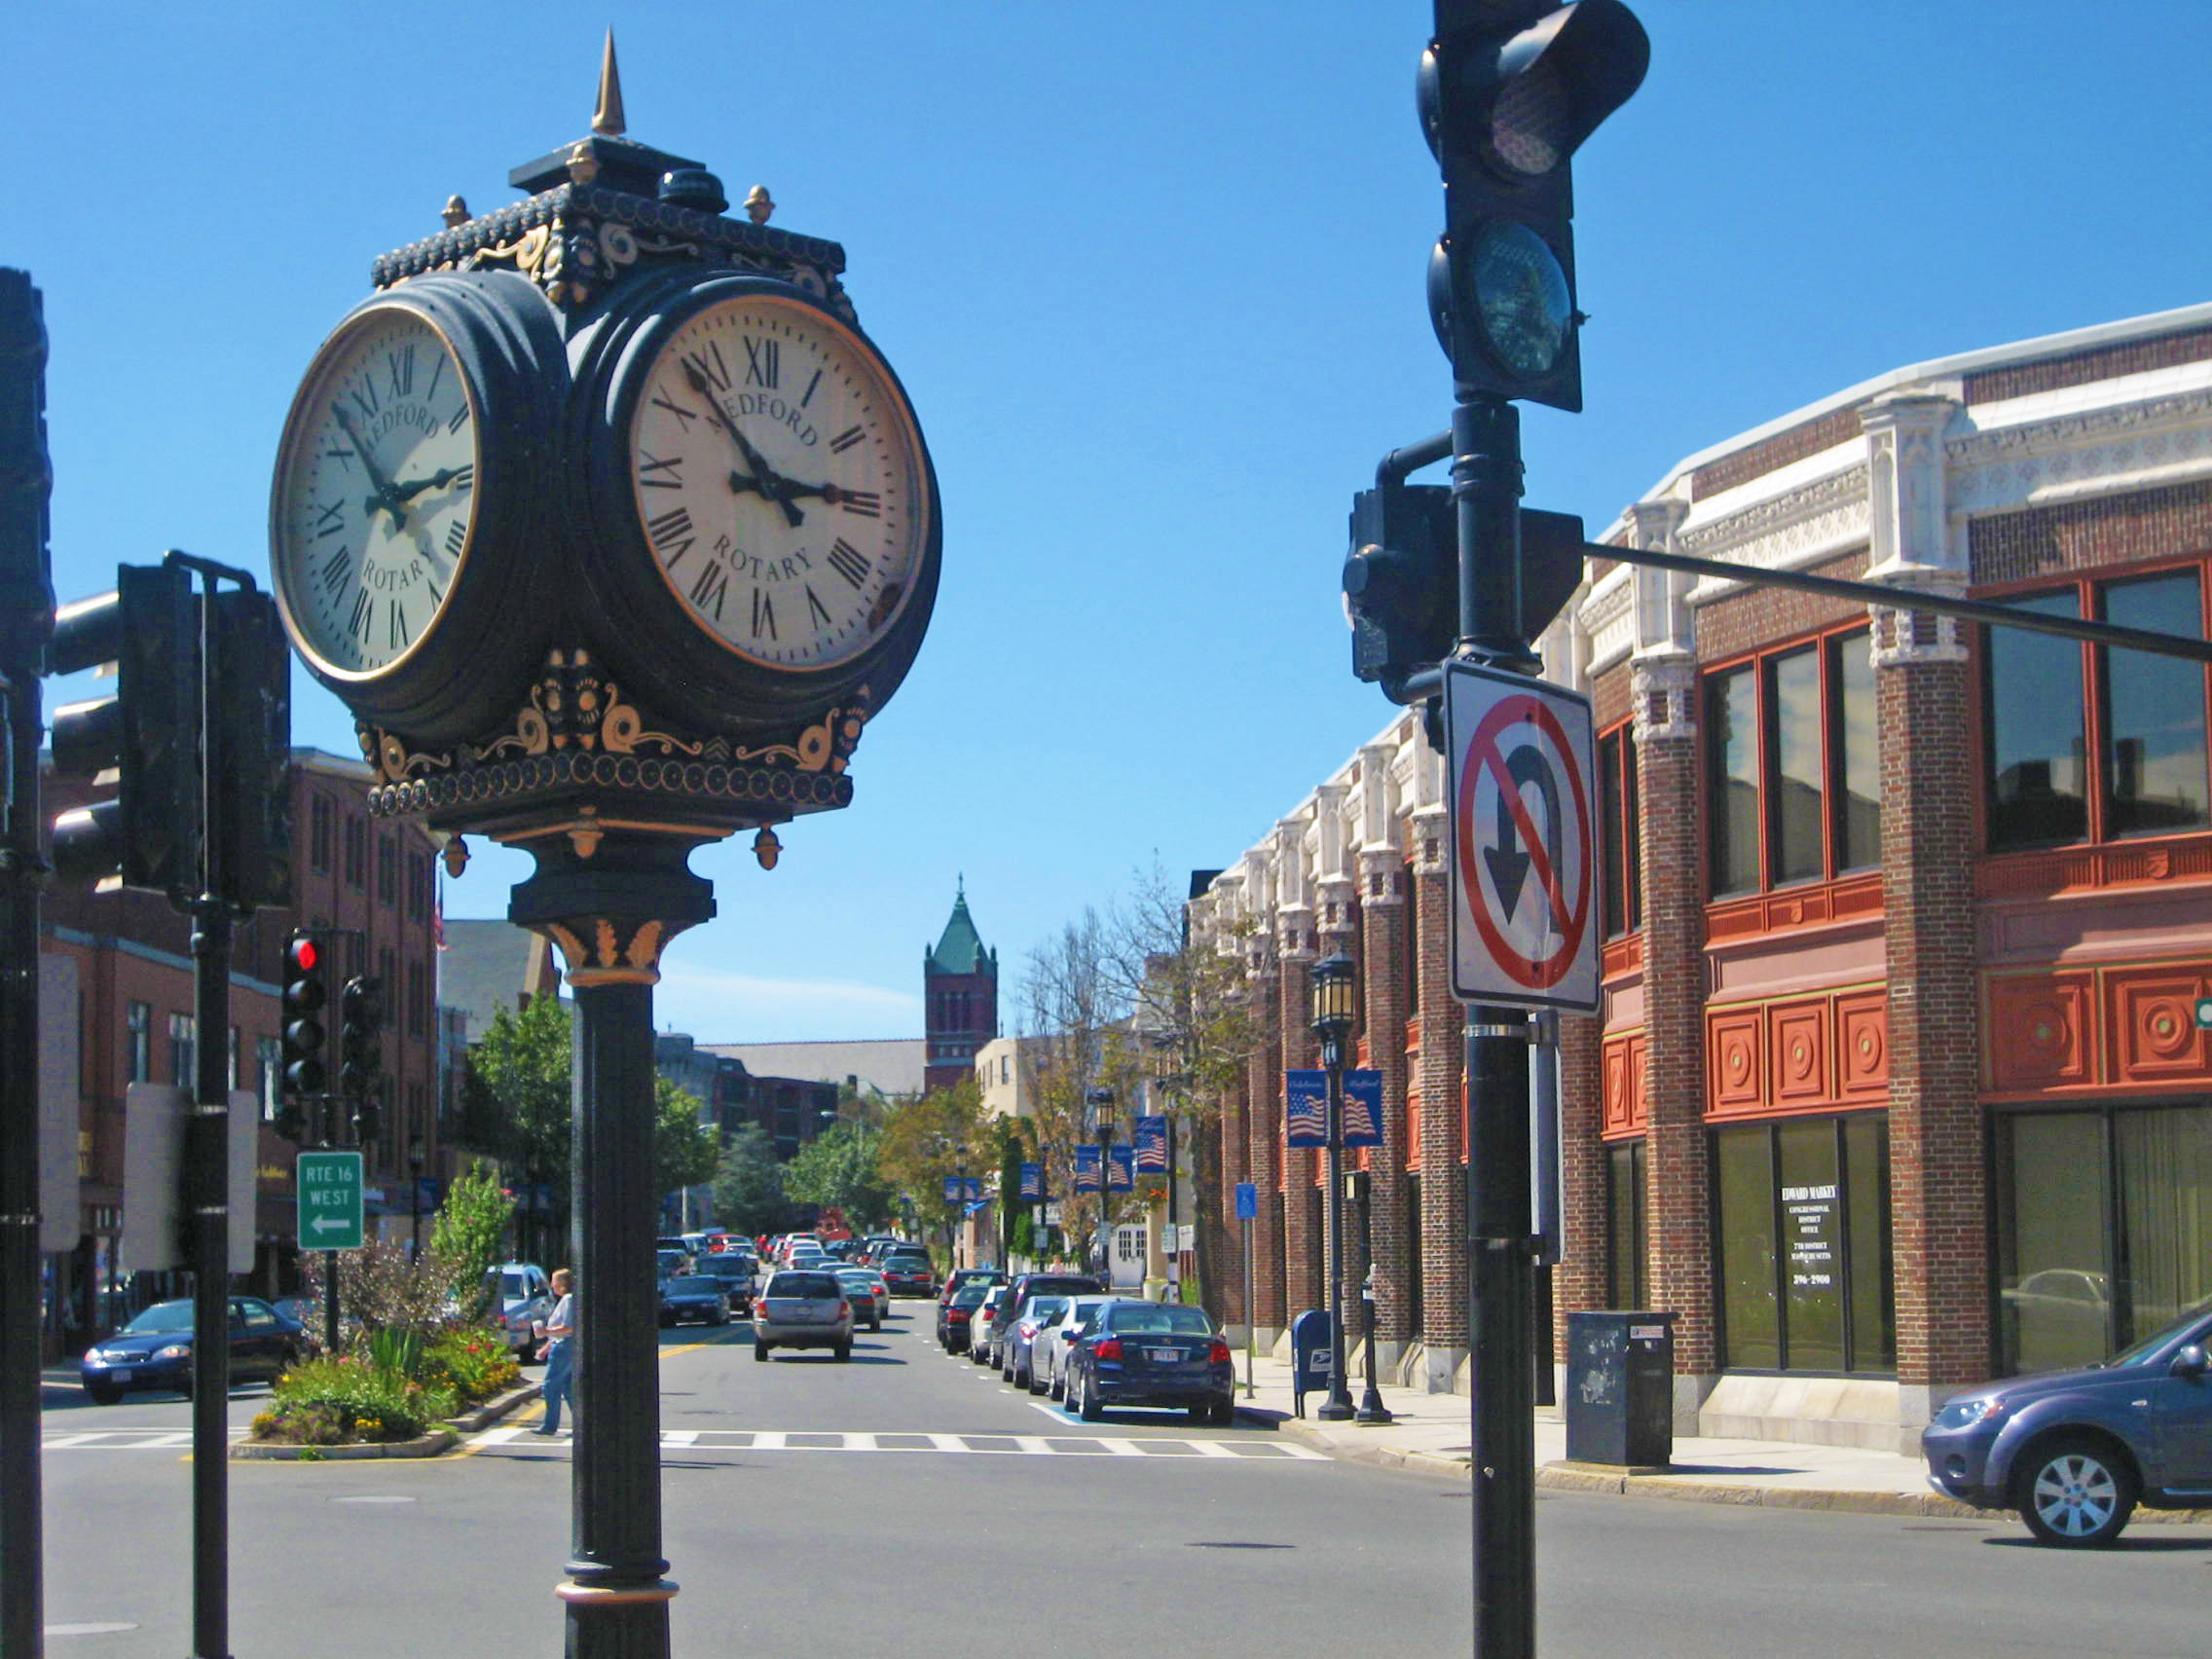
405	469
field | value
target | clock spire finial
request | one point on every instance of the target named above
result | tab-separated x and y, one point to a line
609	118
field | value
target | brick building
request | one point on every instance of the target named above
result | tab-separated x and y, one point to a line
1896	1081
960	998
134	1013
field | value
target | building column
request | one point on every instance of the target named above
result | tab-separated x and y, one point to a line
1938	1180
1384	979
1678	1200
1263	1103
1443	1177
1336	917
1578	1282
1305	1245
1221	1236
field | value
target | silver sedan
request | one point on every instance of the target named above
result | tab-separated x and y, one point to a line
1048	1350
802	1308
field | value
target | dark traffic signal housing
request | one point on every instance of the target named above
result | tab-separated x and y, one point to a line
360	1064
306	1076
1508	91
144	739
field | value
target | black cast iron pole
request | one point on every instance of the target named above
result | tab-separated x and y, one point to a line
26	620
1486	487
1371	1406
1337	1408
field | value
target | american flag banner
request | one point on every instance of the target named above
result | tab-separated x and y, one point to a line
1307	1093
1363	1108
1121	1168
1152	1146
952	1192
1032	1181
1087	1169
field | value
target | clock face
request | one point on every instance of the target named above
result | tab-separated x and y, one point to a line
376	493
780	482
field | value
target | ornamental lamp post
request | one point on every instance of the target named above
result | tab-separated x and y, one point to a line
1101	1101
1335	1013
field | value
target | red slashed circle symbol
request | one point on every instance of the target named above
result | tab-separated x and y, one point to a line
1486	766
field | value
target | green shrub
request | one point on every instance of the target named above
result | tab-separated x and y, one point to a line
364	1400
474	1365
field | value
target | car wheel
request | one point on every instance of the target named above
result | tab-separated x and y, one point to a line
1059	1389
1087	1406
2074	1492
1225	1413
1202	1413
759	1351
844	1352
106	1396
1035	1381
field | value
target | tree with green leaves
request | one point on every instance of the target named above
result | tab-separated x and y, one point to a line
519	1075
748	1183
840	1169
928	1137
687	1149
468	1232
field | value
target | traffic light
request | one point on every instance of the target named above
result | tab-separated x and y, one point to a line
1508	91
360	1040
145	738
1402	580
304	1076
254	748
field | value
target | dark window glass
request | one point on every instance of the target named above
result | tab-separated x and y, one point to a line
1812	1245
1747	1303
2038	789
1409	1266
1867	1228
2153	745
2163	1179
1612	826
1625	1283
1410	906
1632	878
140	1025
1858	758
2053	1199
1799	793
1732	768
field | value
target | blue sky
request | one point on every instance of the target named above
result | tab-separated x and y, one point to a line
1153	276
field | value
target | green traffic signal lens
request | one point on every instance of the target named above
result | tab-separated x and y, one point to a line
1520	297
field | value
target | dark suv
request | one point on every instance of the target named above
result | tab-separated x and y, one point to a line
2075	1451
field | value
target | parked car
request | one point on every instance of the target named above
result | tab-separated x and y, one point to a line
953	1316
694	1296
909	1274
960	1276
154	1349
1047	1353
2075	1451
734	1273
1015	1363
981	1326
1151	1353
517	1300
670	1263
1057	1284
802	1308
864	1289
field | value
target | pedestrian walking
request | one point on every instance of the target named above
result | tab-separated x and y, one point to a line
559	1329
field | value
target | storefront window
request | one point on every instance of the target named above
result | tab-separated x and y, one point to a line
1732	812
2155	750
1625	1284
1804	1218
1800	789
1620	833
1859	760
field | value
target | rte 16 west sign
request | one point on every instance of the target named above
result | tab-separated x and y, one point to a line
1523	852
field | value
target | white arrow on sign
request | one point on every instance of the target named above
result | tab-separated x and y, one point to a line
324	1223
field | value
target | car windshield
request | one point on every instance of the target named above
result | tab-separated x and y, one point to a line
856	1275
970	1298
2135	1355
804	1286
1154	1319
693	1287
1043	1308
162	1317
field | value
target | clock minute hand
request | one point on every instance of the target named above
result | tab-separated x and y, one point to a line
764	478
414	487
385	496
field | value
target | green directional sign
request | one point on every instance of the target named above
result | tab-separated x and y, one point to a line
330	1200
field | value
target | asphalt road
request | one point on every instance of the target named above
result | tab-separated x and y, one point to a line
907	1503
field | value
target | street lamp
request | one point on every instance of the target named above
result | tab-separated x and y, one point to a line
414	1153
1101	1101
1335	992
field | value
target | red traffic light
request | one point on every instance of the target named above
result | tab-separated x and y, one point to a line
304	955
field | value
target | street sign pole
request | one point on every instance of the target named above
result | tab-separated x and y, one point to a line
1247	1209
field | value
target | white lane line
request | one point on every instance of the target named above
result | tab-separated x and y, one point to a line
498	1436
768	1440
861	1442
1210	1448
679	1437
64	1441
182	1437
948	1443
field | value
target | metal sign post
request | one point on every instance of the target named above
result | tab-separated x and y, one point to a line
1247	1208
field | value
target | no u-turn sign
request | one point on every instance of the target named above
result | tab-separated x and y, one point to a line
1524	864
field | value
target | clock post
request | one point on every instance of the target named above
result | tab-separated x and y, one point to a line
641	534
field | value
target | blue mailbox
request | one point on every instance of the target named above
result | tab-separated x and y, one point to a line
1311	1357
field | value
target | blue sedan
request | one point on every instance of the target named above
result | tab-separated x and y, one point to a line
1151	1353
154	1351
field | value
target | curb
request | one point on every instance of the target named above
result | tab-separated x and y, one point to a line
434	1444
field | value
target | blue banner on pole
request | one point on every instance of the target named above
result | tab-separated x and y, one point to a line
1363	1108
1152	1146
952	1188
1307	1098
1032	1181
1247	1201
1121	1169
1087	1169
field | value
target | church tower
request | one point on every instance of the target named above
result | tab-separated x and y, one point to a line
960	997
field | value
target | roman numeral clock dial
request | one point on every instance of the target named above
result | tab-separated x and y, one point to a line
375	494
780	482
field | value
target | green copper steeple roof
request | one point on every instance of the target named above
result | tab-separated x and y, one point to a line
961	949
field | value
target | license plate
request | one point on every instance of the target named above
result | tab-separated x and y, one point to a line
1165	1356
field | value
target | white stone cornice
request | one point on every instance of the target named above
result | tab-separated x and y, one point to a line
1382	876
1807	525
1900	636
1376	823
1431	825
1663	693
1607	615
2145	445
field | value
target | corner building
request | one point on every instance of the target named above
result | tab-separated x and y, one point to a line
1896	1081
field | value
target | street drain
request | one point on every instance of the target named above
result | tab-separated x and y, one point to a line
1213	1545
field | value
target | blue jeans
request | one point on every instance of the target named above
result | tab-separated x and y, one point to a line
560	1381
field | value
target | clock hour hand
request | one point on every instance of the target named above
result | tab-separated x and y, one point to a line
764	478
437	480
385	496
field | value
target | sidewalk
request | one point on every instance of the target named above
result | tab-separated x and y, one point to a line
1432	1434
